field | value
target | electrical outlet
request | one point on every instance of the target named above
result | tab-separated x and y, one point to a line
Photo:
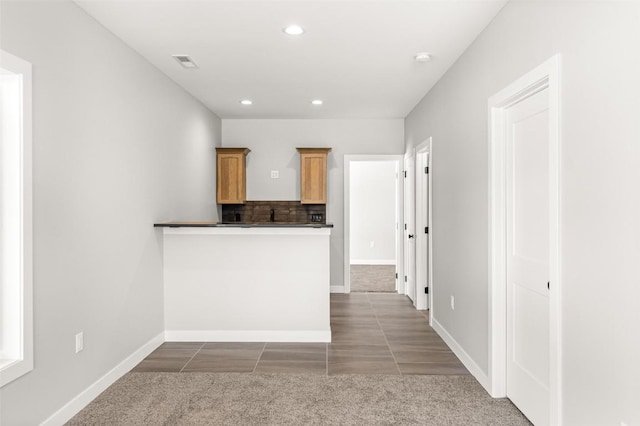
275	174
453	303
79	341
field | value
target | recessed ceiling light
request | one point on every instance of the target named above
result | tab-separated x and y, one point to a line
246	102
422	57
316	102
185	61
293	30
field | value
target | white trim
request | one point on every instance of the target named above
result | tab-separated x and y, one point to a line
336	289
555	308
464	357
399	223
547	75
399	262
20	359
83	399
430	225
248	335
409	219
421	299
373	262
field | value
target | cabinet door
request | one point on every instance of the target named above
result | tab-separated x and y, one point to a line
313	173
231	182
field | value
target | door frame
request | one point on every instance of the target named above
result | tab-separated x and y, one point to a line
424	240
545	76
409	217
398	159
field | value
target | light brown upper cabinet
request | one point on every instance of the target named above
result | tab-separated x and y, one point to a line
231	185
313	175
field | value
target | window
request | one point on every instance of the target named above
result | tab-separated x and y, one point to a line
16	299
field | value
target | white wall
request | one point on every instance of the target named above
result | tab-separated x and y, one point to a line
600	208
372	210
116	147
273	147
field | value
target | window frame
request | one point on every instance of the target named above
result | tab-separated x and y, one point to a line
16	283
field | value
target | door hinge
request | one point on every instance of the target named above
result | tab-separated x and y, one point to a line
548	285
405	226
426	290
396	275
405	278
426	229
405	173
426	170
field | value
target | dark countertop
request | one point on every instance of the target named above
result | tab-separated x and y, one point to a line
204	224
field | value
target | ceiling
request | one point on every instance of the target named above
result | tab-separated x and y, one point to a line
355	55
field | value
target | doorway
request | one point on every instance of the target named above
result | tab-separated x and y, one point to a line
525	244
372	241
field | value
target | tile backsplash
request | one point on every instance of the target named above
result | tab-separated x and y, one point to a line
274	211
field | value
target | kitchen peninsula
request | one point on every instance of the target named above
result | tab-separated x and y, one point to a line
262	275
265	282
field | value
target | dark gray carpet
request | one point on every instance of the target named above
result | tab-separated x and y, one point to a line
373	278
287	399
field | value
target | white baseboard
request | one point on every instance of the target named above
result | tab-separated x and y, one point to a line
468	362
247	335
373	262
336	289
83	399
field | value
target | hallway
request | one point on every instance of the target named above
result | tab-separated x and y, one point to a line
373	278
384	366
388	325
371	334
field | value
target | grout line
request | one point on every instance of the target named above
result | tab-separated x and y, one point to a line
326	359
259	356
375	314
194	355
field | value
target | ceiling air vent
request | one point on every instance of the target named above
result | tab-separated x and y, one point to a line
185	61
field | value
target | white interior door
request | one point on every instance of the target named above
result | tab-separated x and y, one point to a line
426	235
527	204
422	222
409	228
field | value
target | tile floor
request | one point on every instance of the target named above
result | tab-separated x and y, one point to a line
371	334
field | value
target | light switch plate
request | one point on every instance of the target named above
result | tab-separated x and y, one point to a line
275	174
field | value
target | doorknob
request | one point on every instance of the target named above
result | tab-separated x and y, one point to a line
410	236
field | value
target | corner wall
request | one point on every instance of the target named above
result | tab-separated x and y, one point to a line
117	146
273	147
600	202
